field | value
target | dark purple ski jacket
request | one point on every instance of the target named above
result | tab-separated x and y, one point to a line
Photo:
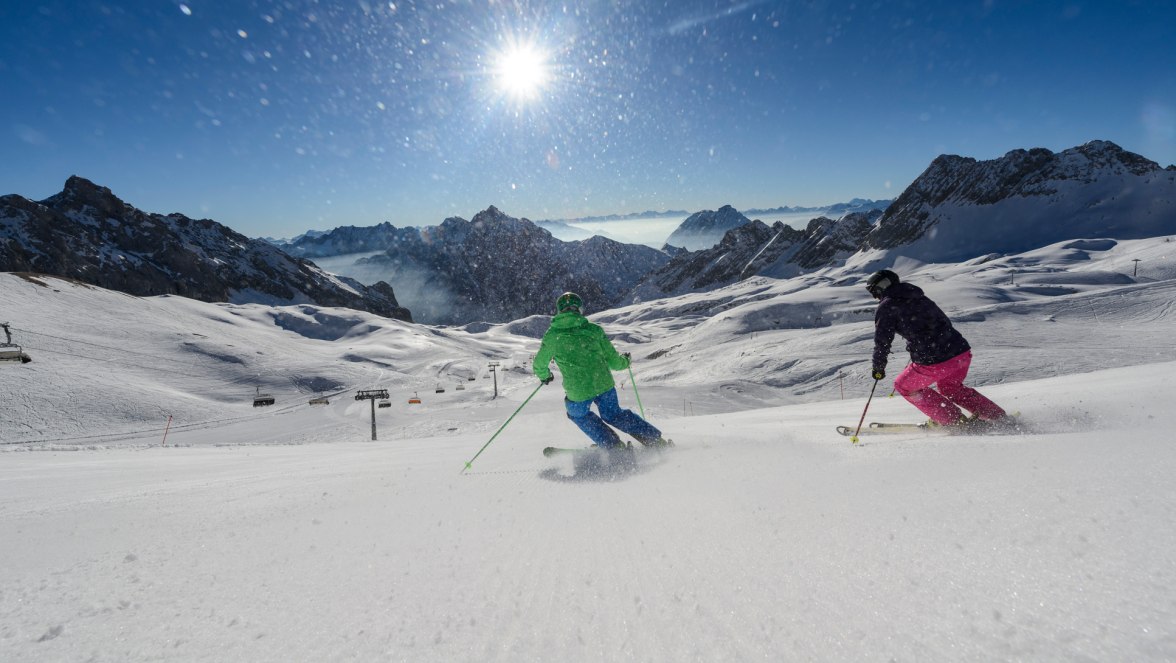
905	310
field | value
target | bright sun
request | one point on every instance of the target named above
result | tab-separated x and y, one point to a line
521	71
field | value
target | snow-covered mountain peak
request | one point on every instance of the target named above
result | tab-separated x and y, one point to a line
960	207
700	229
1105	154
494	220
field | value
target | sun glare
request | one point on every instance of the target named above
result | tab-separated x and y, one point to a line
521	71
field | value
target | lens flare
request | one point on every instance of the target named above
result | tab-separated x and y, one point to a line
521	71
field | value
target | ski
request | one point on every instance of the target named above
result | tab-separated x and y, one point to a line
556	451
879	428
978	427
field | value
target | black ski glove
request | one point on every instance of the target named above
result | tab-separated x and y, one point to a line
877	373
548	379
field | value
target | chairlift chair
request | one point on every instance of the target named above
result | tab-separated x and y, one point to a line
440	389
11	353
460	387
261	400
384	404
320	400
415	400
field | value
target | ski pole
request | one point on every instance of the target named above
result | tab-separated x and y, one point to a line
854	439
500	428
635	392
895	389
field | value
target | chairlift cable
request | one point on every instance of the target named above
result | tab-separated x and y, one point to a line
96	345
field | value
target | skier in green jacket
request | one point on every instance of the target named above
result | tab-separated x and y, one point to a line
586	358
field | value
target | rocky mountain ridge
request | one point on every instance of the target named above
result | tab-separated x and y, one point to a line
756	248
341	241
88	234
497	268
836	209
705	229
958	209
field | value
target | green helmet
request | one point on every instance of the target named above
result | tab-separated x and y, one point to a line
569	301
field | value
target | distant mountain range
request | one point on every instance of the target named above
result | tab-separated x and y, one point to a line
497	268
341	241
837	209
958	209
705	229
617	217
754	248
363	239
88	234
438	269
492	268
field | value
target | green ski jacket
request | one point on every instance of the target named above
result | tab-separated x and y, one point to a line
584	356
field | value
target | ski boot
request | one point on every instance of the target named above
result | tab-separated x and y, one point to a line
960	426
659	443
621	457
605	461
1006	423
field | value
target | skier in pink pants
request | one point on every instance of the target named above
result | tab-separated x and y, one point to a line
940	355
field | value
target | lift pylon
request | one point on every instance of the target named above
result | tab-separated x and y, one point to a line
372	395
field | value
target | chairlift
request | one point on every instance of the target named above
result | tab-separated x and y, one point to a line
261	400
11	353
320	400
460	387
440	389
473	377
415	400
384	404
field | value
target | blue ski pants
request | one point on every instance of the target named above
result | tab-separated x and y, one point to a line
611	414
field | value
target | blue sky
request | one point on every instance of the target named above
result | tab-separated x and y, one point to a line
277	117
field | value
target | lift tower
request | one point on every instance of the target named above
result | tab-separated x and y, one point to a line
372	395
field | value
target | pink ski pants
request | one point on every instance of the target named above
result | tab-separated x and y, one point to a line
943	406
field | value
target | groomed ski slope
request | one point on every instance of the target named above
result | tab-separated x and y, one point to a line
285	533
764	535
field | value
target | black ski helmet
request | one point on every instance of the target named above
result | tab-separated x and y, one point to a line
880	281
569	301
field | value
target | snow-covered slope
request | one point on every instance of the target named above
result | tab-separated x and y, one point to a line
796	340
284	533
127	363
